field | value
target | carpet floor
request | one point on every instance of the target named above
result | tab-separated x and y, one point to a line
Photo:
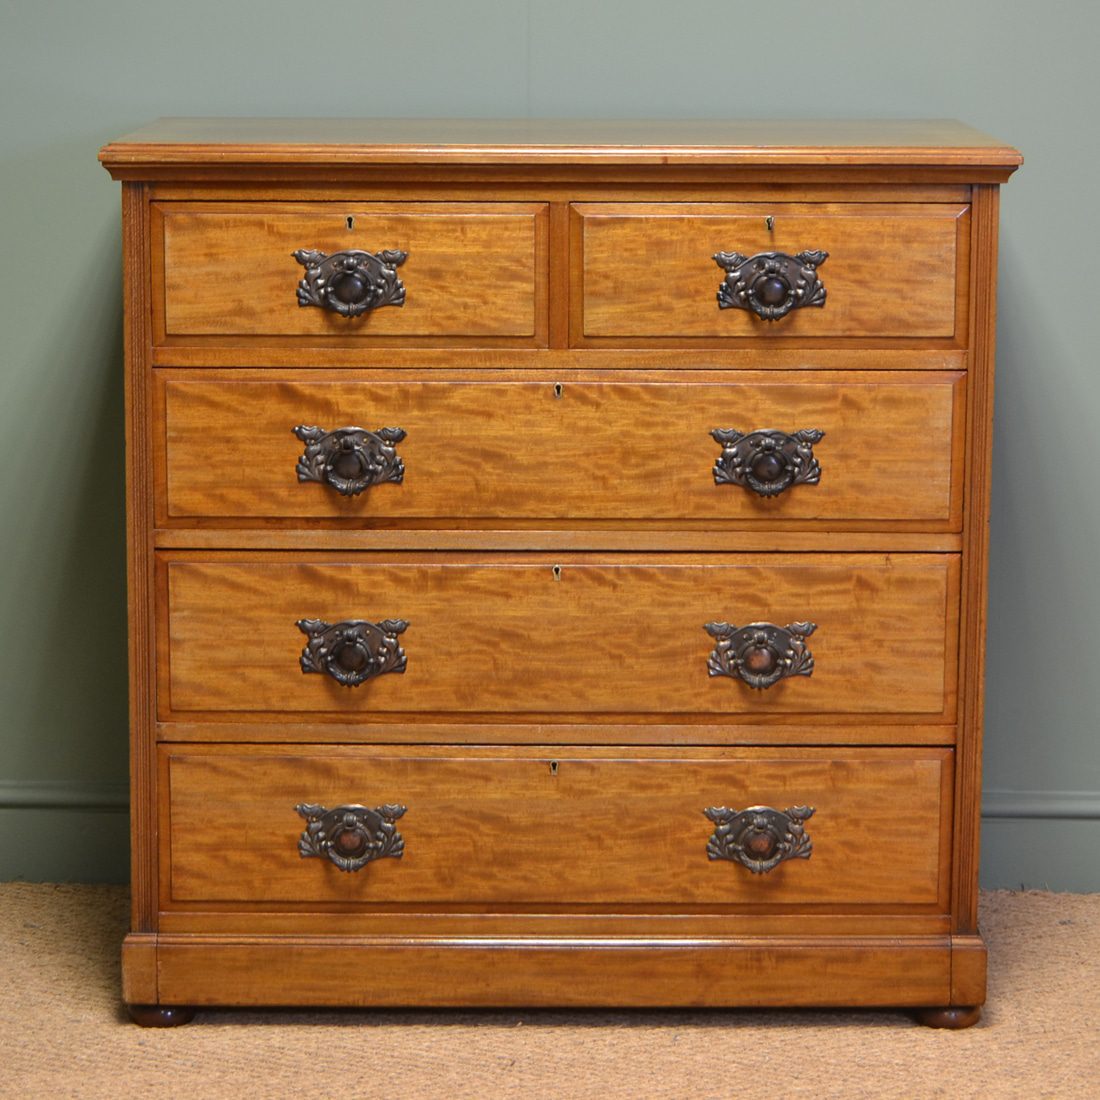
63	1032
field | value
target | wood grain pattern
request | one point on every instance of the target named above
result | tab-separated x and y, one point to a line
647	268
472	269
975	561
501	829
317	970
614	634
139	557
578	254
601	449
271	142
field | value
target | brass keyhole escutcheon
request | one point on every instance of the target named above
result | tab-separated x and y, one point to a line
557	572
559	389
553	767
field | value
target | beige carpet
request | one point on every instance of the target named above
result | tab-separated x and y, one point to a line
62	1031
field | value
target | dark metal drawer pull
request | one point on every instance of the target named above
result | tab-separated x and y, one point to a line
350	460
767	461
351	282
770	284
353	651
759	837
761	654
350	836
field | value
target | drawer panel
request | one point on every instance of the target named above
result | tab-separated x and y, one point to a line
893	270
558	635
583	449
508	827
227	269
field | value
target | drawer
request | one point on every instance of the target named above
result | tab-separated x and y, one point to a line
585	827
582	449
892	271
228	270
572	634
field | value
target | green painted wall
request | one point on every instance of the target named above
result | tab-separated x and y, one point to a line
75	74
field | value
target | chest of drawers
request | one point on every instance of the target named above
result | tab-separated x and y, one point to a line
557	562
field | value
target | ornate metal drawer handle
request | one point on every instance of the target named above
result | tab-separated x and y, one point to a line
759	838
761	654
351	282
350	460
770	284
350	836
353	651
767	461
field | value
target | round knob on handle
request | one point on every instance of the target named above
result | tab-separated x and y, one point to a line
350	836
759	838
767	461
350	460
760	654
353	651
351	282
770	284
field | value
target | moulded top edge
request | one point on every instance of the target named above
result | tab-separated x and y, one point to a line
255	142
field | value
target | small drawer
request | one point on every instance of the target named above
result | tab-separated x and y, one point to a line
579	827
866	447
368	635
755	271
417	272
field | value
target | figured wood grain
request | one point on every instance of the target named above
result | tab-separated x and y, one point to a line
500	653
612	634
506	830
647	269
472	269
587	450
258	970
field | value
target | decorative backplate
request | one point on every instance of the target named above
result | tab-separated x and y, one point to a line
759	838
770	284
350	836
353	651
761	654
350	460
351	282
767	461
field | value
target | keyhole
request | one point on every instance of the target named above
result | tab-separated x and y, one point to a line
553	767
559	389
350	222
557	572
769	221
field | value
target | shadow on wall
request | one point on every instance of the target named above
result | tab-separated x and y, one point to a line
63	591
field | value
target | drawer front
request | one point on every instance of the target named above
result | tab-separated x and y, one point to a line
558	635
228	269
518	827
892	271
582	449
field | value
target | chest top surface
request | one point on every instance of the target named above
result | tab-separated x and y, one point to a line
236	142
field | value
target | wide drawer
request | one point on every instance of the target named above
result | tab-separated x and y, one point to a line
892	270
581	827
586	448
228	270
549	635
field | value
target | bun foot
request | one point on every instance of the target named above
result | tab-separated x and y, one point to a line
953	1016
161	1015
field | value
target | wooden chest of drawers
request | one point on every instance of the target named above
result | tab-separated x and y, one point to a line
557	562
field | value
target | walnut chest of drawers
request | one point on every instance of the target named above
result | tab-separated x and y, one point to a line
557	562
